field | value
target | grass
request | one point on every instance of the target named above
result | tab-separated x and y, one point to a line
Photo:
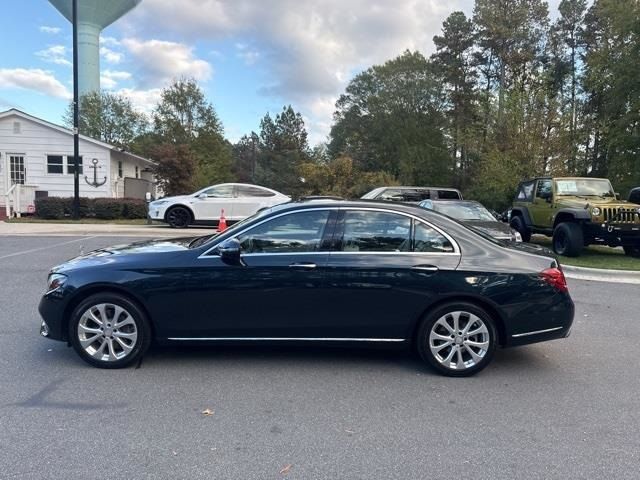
137	221
596	256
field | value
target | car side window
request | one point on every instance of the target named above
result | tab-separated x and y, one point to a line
544	189
428	239
221	191
292	233
448	195
367	231
247	191
525	192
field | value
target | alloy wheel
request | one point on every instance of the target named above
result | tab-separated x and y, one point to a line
178	217
107	332
459	340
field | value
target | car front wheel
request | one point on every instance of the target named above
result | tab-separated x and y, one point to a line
518	225
179	217
109	331
568	239
457	339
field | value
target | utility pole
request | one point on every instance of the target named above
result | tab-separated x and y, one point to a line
76	117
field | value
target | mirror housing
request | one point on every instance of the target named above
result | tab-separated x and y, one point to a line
617	195
546	196
201	196
230	252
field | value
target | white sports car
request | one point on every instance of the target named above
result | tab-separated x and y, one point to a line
238	200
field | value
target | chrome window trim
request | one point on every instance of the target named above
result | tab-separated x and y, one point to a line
456	248
536	332
286	339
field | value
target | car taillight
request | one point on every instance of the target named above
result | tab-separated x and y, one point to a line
554	277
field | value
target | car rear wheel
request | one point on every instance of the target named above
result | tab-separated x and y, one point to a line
568	239
632	251
109	331
179	217
518	225
457	339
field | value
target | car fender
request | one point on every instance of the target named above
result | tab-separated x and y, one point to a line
524	213
579	214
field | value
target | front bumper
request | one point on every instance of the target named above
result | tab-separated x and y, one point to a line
613	234
52	310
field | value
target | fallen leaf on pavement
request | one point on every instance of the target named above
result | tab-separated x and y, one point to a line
286	469
208	412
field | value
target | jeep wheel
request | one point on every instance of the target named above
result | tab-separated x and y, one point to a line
568	239
632	251
518	225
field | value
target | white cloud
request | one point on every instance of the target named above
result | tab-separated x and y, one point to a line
309	49
111	56
56	54
109	41
248	55
40	81
109	79
50	30
143	100
159	62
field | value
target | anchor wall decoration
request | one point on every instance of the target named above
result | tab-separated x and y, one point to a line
95	182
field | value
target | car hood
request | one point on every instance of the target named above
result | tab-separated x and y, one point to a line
494	229
123	253
586	202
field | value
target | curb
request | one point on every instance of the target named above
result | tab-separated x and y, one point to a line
601	275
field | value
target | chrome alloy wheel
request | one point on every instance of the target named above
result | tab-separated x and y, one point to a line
107	332
459	340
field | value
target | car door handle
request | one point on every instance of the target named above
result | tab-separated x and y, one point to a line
425	268
303	266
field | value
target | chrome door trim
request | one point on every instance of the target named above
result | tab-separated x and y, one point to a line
536	332
285	339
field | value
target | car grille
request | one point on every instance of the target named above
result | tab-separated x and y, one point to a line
621	215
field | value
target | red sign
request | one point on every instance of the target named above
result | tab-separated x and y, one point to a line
31	209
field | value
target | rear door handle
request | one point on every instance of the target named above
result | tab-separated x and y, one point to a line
425	268
303	266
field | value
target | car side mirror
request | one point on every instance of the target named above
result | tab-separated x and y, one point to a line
230	252
617	195
201	196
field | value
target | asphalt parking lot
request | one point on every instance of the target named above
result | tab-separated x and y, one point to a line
564	409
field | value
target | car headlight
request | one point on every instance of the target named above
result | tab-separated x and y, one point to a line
157	203
595	211
55	281
515	236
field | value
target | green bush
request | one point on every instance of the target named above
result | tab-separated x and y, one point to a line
51	208
134	208
108	208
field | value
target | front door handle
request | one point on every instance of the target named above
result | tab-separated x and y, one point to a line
303	266
425	268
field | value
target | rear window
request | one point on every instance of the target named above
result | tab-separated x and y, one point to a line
525	192
448	195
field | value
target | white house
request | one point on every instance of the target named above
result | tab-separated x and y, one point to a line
36	159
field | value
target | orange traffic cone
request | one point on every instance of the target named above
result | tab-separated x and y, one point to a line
222	224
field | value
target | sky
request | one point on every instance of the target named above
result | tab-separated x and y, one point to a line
249	56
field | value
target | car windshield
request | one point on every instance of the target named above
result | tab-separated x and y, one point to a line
585	187
200	241
467	211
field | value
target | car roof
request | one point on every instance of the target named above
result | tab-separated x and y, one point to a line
454	202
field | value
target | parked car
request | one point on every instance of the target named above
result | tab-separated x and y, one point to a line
326	272
576	212
634	195
413	194
474	215
238	200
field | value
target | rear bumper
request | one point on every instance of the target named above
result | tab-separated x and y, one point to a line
552	323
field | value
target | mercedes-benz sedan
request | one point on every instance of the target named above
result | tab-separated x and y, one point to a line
324	271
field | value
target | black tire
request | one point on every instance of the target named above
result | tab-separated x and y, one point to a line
568	239
431	324
517	223
179	217
139	325
632	251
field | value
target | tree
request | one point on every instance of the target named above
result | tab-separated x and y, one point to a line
454	61
390	119
175	168
283	147
183	117
245	158
110	118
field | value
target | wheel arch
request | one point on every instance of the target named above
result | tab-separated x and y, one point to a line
86	292
524	213
480	302
570	215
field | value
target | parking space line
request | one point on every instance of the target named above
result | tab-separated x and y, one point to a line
16	254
